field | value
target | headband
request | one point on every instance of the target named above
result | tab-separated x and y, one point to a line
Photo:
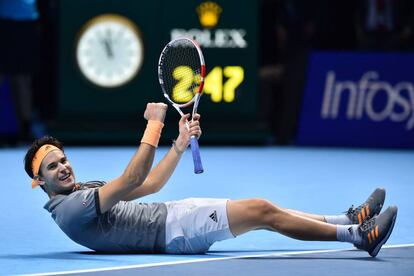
37	161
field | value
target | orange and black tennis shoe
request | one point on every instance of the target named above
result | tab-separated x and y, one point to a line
376	231
370	208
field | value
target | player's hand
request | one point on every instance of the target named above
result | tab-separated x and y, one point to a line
195	128
194	125
188	129
155	111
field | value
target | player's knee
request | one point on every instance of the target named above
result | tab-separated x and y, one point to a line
264	210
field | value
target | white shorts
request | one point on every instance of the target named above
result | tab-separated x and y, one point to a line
194	224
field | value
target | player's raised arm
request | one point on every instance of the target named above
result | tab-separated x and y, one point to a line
159	176
139	166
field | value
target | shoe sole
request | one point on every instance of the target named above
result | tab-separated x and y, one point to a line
382	196
384	240
375	213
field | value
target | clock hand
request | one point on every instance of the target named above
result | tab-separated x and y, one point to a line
108	48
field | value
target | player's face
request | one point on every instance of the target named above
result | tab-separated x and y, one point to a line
57	173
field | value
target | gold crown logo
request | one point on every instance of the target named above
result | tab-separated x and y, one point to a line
208	14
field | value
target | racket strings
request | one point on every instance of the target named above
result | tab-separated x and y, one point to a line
180	71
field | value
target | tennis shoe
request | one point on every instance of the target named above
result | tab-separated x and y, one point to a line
370	208
376	231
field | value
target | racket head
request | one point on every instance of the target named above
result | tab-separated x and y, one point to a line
181	71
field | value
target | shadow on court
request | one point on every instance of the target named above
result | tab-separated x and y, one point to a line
51	256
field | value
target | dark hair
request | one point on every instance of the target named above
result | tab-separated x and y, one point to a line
34	148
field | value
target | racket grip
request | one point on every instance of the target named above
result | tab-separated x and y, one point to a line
198	166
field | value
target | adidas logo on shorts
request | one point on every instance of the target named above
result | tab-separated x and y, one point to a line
213	216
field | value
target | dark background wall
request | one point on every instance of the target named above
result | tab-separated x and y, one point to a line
280	38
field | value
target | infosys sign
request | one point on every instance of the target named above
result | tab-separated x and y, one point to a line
358	99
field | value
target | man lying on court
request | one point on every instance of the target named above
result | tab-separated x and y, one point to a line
104	217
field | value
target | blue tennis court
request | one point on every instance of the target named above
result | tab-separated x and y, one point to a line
317	180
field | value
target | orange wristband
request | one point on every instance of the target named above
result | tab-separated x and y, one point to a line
152	133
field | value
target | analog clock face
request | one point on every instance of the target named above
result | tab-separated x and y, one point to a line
109	51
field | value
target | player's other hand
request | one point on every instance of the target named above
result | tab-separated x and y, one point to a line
193	128
155	111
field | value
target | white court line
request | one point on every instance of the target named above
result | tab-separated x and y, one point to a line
206	260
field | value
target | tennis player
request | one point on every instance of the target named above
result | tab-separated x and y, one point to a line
103	216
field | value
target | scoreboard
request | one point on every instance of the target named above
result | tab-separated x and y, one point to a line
107	67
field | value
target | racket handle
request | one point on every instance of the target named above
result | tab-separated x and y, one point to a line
198	166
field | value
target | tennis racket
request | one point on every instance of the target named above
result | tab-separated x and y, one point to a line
181	72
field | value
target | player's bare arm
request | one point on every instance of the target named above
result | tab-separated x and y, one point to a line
159	176
138	168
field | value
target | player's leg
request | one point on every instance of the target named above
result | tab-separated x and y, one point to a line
355	215
252	214
306	215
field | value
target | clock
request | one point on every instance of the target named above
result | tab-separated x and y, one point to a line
109	50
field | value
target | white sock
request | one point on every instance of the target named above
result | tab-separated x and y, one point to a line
348	233
338	219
